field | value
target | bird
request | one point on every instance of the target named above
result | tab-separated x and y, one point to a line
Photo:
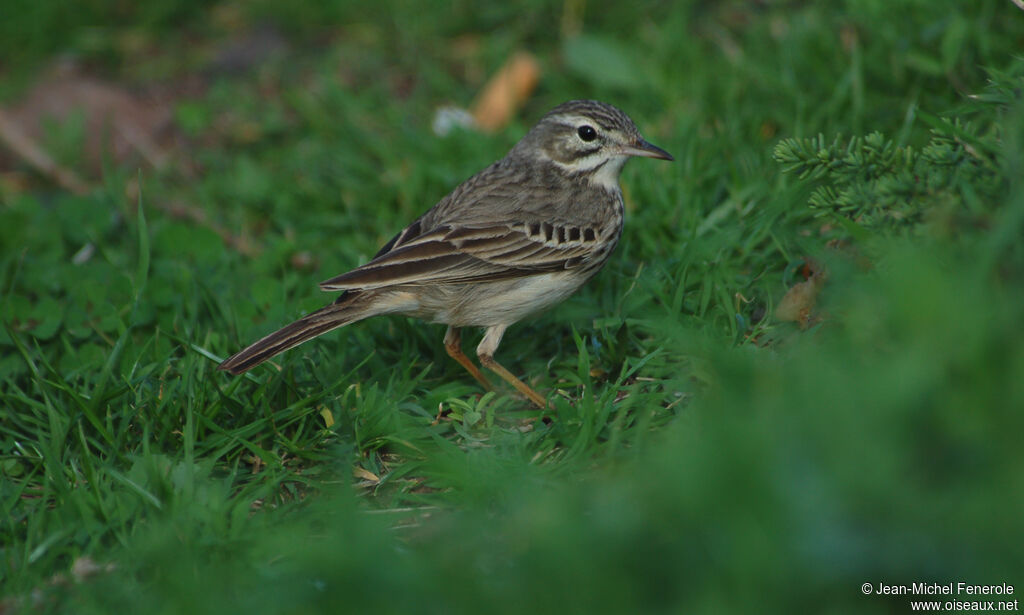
512	240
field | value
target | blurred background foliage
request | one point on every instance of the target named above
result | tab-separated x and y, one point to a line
800	373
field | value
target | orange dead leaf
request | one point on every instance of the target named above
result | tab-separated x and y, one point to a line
798	303
506	92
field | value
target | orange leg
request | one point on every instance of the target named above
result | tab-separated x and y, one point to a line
485	352
453	345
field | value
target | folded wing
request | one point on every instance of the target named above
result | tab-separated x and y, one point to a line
454	254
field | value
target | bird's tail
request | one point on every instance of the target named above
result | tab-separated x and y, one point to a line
335	315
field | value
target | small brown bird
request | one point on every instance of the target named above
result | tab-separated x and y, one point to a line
514	239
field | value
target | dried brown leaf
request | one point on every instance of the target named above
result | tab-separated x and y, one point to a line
363	473
797	305
506	92
115	120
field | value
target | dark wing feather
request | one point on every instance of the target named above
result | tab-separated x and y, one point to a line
407	234
458	254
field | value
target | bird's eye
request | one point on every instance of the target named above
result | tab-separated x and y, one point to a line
587	132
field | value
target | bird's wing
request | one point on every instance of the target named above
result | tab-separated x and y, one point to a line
453	253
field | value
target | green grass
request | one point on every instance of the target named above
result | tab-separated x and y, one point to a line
701	456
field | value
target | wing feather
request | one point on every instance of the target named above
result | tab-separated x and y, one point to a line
462	254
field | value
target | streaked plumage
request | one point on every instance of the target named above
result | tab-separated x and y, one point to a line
514	239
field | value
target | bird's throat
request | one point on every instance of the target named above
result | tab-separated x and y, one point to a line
606	175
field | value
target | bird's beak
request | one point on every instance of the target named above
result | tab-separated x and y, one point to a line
647	150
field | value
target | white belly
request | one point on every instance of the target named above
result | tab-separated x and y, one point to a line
496	303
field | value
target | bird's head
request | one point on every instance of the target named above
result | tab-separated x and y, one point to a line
587	137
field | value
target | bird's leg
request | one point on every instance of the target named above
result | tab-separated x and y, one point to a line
453	346
485	352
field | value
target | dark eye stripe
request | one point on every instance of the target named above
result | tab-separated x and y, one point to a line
583	153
